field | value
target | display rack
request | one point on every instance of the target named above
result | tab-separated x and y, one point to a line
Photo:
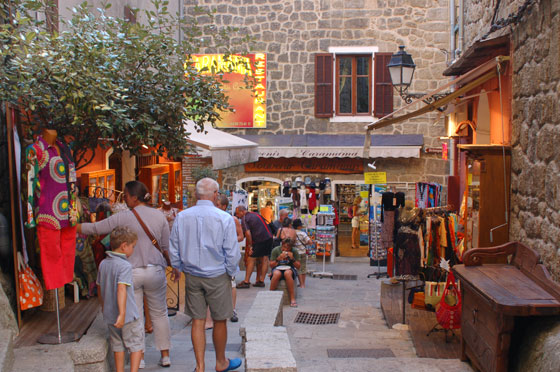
377	252
325	238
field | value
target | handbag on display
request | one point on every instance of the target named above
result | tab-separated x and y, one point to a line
432	293
119	205
30	289
449	316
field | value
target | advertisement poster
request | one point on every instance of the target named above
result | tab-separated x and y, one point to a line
249	106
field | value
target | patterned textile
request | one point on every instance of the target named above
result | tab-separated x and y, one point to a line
54	203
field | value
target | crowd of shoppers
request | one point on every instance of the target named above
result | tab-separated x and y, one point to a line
203	243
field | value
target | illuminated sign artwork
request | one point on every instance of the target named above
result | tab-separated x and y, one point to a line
249	106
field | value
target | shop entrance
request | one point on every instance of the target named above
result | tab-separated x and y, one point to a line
345	195
259	192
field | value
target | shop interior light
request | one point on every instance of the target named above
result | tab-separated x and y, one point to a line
372	165
145	147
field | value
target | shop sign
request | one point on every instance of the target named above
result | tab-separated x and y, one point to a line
249	106
375	178
288	165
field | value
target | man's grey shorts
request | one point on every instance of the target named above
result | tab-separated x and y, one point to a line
212	292
129	337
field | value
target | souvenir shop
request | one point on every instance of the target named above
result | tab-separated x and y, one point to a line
44	168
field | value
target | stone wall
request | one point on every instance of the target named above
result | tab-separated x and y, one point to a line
535	182
535	190
291	32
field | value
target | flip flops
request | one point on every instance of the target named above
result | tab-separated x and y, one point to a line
293	304
258	284
233	365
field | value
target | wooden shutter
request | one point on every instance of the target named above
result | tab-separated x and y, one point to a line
383	92
323	85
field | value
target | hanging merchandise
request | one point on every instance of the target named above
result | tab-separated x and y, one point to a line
57	208
428	195
449	315
30	290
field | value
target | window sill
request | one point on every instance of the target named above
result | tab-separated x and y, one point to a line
353	119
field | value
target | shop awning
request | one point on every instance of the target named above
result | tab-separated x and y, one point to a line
225	149
337	146
465	83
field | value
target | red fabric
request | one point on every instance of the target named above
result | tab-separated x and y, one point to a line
336	221
312	199
390	262
58	250
449	316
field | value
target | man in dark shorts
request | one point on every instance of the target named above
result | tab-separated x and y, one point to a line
258	246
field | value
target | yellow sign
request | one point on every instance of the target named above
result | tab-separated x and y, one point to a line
469	179
375	178
364	194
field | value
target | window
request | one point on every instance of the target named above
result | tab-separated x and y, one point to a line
353	85
359	86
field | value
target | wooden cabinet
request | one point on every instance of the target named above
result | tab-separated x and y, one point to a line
494	295
488	183
175	183
98	184
156	178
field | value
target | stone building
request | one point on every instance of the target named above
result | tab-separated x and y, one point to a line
532	28
535	219
293	33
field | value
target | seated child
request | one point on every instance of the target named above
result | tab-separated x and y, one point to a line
116	294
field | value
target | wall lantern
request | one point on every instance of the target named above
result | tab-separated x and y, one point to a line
401	68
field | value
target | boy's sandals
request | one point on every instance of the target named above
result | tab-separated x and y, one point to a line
293	304
258	284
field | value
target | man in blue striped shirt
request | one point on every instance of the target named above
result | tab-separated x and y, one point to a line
203	244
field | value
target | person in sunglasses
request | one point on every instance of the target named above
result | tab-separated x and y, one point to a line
285	263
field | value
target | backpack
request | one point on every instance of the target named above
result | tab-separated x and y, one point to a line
351	212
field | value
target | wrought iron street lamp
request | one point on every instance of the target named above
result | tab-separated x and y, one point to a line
401	68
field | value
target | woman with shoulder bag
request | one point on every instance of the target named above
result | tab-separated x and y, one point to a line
149	260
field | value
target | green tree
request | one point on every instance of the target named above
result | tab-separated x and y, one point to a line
106	81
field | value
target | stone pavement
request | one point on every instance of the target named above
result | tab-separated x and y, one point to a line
361	326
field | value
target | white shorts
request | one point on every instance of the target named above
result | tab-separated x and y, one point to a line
355	222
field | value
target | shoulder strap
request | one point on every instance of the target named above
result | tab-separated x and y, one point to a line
145	228
264	223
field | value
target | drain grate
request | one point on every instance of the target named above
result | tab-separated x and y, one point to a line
345	277
317	319
360	353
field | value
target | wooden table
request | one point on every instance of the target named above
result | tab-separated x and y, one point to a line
493	295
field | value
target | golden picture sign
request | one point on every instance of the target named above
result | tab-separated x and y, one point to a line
249	106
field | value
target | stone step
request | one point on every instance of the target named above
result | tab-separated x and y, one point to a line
385	364
6	350
42	358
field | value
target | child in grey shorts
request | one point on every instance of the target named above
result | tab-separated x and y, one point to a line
116	294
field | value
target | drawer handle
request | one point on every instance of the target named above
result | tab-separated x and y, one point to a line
474	315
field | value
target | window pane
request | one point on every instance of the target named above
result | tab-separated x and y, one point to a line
345	95
363	65
345	65
362	95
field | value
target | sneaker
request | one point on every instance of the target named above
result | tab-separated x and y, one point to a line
234	318
165	362
142	364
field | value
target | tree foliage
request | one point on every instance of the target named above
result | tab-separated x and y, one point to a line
106	81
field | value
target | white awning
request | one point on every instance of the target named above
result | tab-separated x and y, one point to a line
225	149
340	152
337	146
